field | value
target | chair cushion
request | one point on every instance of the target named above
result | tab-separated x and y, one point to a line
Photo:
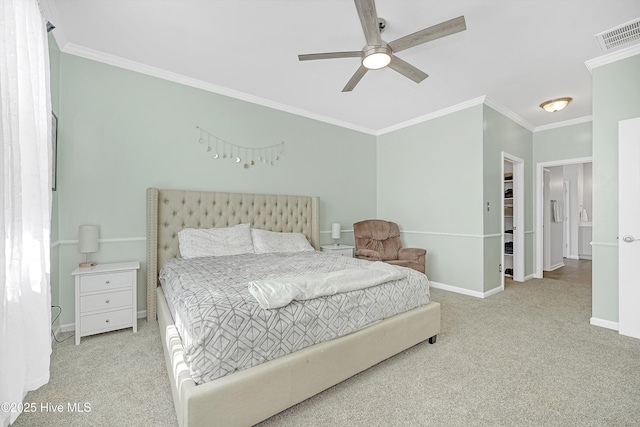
380	236
418	266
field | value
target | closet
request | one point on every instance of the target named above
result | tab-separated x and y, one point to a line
513	234
508	220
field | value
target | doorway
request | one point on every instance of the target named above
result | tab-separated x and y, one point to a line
512	218
575	232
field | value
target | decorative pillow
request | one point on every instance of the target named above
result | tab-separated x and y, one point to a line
265	242
215	241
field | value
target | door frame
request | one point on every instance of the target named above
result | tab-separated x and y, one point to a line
539	252
518	216
567	225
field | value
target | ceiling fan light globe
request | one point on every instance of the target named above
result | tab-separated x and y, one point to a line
375	61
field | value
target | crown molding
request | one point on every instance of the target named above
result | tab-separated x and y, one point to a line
571	122
445	111
508	113
51	13
612	57
116	61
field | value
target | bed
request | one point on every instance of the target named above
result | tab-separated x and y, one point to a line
251	395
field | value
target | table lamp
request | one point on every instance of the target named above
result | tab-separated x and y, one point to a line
335	233
88	243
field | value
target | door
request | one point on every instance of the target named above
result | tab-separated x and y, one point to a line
629	227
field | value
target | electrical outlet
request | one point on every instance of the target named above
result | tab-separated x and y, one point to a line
500	268
488	208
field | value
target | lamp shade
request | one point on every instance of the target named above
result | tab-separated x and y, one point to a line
335	230
88	239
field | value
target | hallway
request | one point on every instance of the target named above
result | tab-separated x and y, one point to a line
574	271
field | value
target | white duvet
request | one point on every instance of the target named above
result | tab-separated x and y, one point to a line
276	293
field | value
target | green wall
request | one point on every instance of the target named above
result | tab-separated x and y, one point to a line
121	132
428	184
431	183
502	134
616	96
564	143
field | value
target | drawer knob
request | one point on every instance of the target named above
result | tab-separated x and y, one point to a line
107	282
107	320
107	301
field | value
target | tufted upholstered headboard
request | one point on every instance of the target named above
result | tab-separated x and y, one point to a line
169	211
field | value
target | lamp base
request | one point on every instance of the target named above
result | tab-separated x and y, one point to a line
88	264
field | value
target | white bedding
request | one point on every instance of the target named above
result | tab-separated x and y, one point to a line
224	329
276	293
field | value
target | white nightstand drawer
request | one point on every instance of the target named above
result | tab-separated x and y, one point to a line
100	282
111	300
108	321
343	250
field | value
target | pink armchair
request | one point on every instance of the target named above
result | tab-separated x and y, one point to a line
378	240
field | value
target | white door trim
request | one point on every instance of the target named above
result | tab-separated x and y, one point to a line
518	216
566	244
540	205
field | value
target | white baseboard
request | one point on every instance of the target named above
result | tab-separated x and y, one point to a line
585	257
464	291
556	266
69	327
573	257
529	277
604	323
493	291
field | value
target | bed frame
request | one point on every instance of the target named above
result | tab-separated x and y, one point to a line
252	395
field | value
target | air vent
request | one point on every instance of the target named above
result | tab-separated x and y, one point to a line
619	36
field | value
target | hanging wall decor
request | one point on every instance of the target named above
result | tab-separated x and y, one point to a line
247	156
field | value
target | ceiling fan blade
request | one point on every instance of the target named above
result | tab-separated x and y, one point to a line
369	20
407	69
359	74
330	55
442	29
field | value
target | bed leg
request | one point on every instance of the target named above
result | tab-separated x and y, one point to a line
432	340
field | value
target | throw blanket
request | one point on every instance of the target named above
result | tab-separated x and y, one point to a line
276	293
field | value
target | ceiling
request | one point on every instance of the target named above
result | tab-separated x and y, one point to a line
517	54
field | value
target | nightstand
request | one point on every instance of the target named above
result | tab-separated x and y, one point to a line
344	250
106	297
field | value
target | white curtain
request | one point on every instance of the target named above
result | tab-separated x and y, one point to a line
25	204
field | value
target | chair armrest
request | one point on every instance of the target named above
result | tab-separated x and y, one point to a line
368	254
412	254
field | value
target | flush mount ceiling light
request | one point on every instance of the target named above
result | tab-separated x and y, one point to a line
555	105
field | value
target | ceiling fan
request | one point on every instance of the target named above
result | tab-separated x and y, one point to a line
378	54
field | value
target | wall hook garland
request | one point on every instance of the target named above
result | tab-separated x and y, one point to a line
239	154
